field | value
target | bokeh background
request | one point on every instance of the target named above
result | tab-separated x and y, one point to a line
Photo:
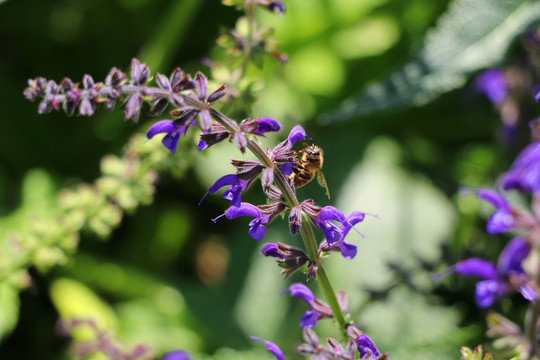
385	87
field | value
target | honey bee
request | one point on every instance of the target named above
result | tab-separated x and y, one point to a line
307	166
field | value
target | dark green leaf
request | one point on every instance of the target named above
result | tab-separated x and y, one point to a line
471	35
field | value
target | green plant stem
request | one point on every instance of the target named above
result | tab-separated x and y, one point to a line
308	236
306	230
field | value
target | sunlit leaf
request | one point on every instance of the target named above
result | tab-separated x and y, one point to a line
471	35
74	300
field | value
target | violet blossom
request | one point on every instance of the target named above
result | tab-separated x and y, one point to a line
507	276
319	310
270	346
366	347
524	175
176	355
172	129
347	249
493	84
256	227
234	192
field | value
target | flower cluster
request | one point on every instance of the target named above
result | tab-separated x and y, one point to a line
357	341
508	275
281	160
194	107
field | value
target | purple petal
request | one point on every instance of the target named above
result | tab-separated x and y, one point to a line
202	145
511	180
527	292
230	179
256	230
266	124
309	319
163	126
170	141
494	197
480	268
245	209
287	168
297	134
366	346
530	155
332	213
348	250
512	256
271	249
331	232
486	293
176	355
500	222
273	348
493	84
279	6
301	291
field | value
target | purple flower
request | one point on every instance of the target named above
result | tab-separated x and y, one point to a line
332	232
173	129
524	175
366	346
318	311
501	279
273	348
233	193
277	5
493	84
347	249
297	134
176	355
260	126
256	227
501	220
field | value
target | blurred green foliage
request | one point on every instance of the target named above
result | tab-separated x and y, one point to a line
170	278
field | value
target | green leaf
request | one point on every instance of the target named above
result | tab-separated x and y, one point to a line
74	300
471	35
414	219
9	309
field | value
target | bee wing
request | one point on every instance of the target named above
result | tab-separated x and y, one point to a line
322	181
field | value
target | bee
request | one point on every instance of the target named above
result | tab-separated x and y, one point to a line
307	167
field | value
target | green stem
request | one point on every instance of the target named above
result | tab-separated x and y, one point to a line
308	236
306	230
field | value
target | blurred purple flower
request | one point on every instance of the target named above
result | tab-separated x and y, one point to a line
498	280
176	355
366	346
273	348
493	84
318	311
524	175
501	220
260	126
